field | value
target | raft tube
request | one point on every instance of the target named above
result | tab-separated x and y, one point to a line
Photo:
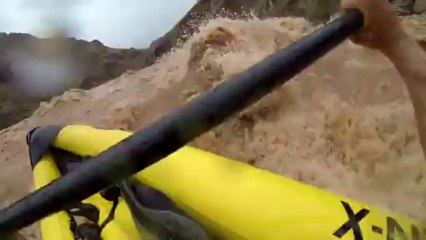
230	199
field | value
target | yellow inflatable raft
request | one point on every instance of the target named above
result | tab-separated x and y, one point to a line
206	196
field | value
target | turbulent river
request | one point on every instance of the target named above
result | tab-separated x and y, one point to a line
345	124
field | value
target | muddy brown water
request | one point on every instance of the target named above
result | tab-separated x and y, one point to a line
345	124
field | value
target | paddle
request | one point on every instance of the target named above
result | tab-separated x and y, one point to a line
179	127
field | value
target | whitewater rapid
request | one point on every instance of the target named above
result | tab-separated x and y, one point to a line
345	124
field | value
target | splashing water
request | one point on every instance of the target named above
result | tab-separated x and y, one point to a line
345	124
45	69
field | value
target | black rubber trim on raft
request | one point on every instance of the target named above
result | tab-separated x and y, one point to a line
39	141
176	129
156	215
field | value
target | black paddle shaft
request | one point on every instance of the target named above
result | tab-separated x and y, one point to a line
181	126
